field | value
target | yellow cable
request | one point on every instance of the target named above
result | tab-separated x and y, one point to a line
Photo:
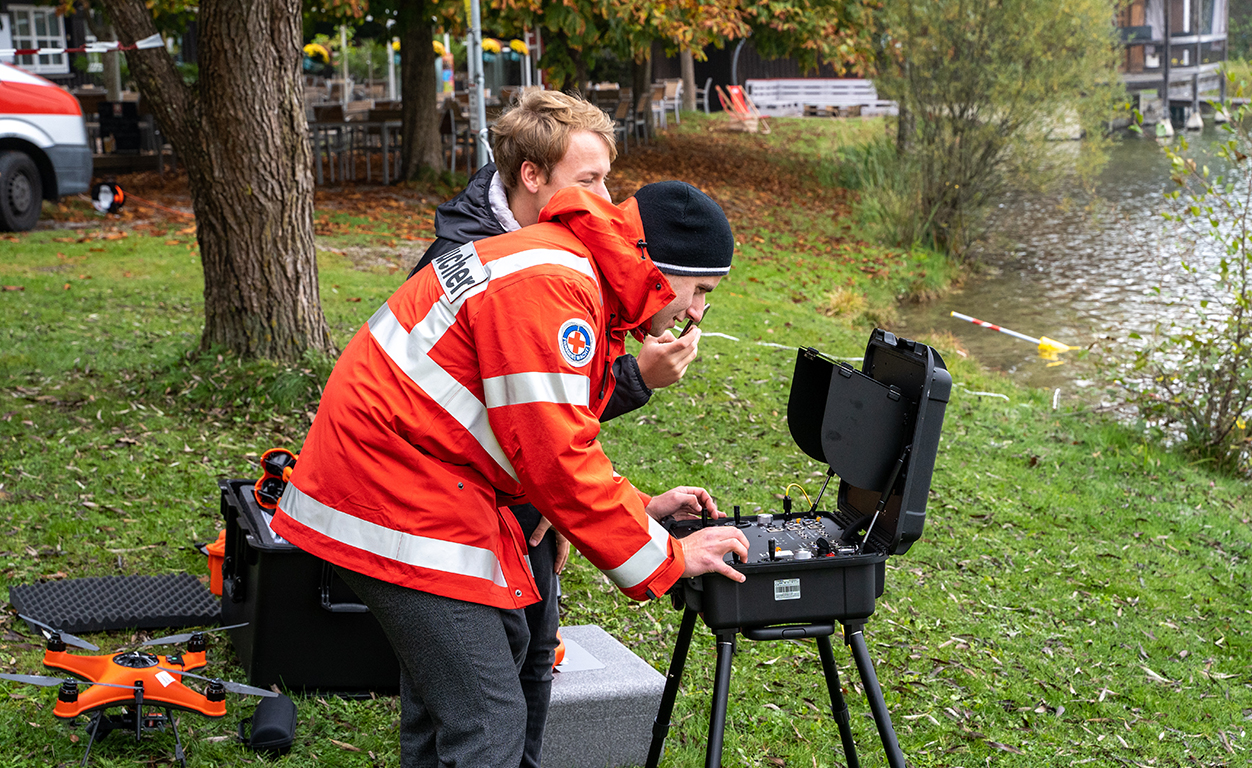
807	500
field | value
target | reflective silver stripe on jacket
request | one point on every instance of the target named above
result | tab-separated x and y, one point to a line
410	350
536	387
645	561
537	257
406	548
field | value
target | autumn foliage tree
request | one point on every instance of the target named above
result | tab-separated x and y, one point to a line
242	135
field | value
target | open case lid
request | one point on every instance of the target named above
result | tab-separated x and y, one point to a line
862	424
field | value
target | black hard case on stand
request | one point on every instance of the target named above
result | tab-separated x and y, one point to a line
306	629
859	423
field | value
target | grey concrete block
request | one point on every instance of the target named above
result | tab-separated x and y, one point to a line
601	718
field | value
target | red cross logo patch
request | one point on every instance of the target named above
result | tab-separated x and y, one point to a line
577	342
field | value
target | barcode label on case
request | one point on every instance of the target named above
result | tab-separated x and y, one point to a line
787	589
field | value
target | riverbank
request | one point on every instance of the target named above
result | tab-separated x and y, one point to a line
1078	595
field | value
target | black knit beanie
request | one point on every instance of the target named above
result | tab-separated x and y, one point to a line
686	232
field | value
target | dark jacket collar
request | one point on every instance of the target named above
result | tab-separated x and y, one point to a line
468	216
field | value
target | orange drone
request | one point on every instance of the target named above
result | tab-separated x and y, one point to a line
148	687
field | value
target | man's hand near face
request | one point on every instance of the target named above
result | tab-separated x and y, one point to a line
663	359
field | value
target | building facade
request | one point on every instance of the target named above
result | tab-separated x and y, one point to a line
1174	49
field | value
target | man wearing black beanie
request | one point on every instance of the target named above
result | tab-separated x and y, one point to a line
689	241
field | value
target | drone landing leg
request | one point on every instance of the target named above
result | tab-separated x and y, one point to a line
93	727
178	745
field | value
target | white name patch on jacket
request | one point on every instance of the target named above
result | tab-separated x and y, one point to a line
459	270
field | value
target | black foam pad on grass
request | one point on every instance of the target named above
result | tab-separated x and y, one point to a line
118	602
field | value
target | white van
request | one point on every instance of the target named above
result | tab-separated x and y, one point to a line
43	147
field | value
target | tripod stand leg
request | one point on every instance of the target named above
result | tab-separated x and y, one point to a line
838	707
660	726
854	635
721	695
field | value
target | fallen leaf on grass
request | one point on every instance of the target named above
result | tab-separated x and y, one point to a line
188	231
115	236
1004	747
64	239
67	286
173	242
84	277
96	250
13	239
14	287
343	745
353	299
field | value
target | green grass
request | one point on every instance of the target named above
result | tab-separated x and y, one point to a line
1078	597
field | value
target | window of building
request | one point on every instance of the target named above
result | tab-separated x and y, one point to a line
39	26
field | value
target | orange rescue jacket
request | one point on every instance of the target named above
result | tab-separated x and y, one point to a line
478	384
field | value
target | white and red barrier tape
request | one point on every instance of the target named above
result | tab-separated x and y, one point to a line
153	41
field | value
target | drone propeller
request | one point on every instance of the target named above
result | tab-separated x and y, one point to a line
52	682
228	685
184	637
69	639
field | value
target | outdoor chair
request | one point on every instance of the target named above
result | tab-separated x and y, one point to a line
658	105
702	94
329	135
622	124
642	117
744	116
672	98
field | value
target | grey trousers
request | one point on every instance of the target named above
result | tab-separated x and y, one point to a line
460	700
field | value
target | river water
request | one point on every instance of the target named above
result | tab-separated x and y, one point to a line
1070	269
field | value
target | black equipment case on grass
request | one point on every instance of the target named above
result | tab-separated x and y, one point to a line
306	629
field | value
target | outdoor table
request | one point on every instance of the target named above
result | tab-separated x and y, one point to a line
340	137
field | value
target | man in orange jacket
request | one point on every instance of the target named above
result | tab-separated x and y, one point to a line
479	384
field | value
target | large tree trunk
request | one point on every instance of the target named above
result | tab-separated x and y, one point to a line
420	152
687	63
582	75
243	138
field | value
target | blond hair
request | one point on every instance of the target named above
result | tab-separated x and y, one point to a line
538	130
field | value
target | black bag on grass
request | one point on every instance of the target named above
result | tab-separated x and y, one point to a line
272	726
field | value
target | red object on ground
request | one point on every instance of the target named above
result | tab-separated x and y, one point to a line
217	552
560	650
